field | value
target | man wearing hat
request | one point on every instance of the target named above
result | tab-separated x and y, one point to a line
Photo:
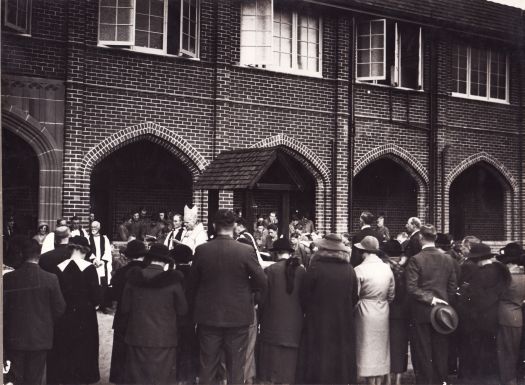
135	252
49	260
224	275
152	300
431	281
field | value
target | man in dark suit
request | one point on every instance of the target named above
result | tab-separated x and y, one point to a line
32	303
224	275
365	222
412	245
431	280
50	260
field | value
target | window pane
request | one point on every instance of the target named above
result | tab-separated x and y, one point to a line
363	42
149	25
459	68
377	27
142	6
498	73
370	48
377	69
155	40
363	56
157	7
124	16
409	55
478	72
378	41
142	22
107	32
462	87
108	15
157	24
363	70
282	35
141	38
376	55
123	33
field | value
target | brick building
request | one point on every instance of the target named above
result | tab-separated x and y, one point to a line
407	107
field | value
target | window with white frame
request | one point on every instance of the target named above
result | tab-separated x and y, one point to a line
17	15
156	26
389	53
480	73
280	38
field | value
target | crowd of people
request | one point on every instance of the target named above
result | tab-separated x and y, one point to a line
249	305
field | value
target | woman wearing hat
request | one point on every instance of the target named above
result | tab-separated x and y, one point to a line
151	301
328	294
281	316
135	252
43	230
74	357
510	318
376	291
398	312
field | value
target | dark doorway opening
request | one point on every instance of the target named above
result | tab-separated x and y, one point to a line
20	175
141	174
477	204
386	187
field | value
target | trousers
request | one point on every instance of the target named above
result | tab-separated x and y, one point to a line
27	367
430	354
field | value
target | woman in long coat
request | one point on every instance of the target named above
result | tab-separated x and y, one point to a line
376	291
74	357
282	317
328	294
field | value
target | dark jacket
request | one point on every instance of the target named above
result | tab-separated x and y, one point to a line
413	244
50	260
32	304
399	306
511	301
151	301
429	274
223	277
357	257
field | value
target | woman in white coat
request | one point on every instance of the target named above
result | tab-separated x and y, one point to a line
376	290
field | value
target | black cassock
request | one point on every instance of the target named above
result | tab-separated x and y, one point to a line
74	357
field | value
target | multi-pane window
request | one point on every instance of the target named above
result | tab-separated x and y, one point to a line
163	26
480	73
279	38
389	53
17	15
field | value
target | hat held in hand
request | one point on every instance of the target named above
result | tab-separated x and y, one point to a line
444	319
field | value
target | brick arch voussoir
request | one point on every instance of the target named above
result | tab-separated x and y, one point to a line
302	153
150	131
504	174
398	155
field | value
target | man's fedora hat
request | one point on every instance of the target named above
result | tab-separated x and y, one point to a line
181	253
159	252
444	319
480	251
282	244
332	242
511	253
135	249
368	243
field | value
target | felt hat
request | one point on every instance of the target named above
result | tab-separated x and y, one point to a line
444	319
42	224
511	253
135	249
368	243
62	232
443	240
282	244
181	253
159	252
392	248
479	252
79	242
332	242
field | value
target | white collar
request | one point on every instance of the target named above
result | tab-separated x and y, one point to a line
365	227
427	246
82	264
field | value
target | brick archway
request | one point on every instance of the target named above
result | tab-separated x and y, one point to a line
314	165
507	180
49	156
409	164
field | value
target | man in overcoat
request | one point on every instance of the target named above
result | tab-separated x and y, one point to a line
50	260
412	245
431	281
223	278
365	221
32	303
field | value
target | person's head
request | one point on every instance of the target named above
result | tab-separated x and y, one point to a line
295	219
294	239
380	220
177	221
282	248
413	224
444	241
428	234
91	217
162	215
75	223
143	212
62	234
346	239
273	215
369	245
159	254
260	228
224	222
95	228
30	250
468	242
135	216
512	254
366	218
125	219
240	225
11	221
78	247
272	231
190	217
43	228
135	250
61	222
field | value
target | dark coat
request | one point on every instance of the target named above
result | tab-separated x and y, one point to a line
223	277
281	313
328	294
429	274
151	301
399	306
511	301
357	257
50	260
413	244
74	358
32	304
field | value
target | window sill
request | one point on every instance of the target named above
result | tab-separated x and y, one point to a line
391	87
316	75
463	96
13	32
147	52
